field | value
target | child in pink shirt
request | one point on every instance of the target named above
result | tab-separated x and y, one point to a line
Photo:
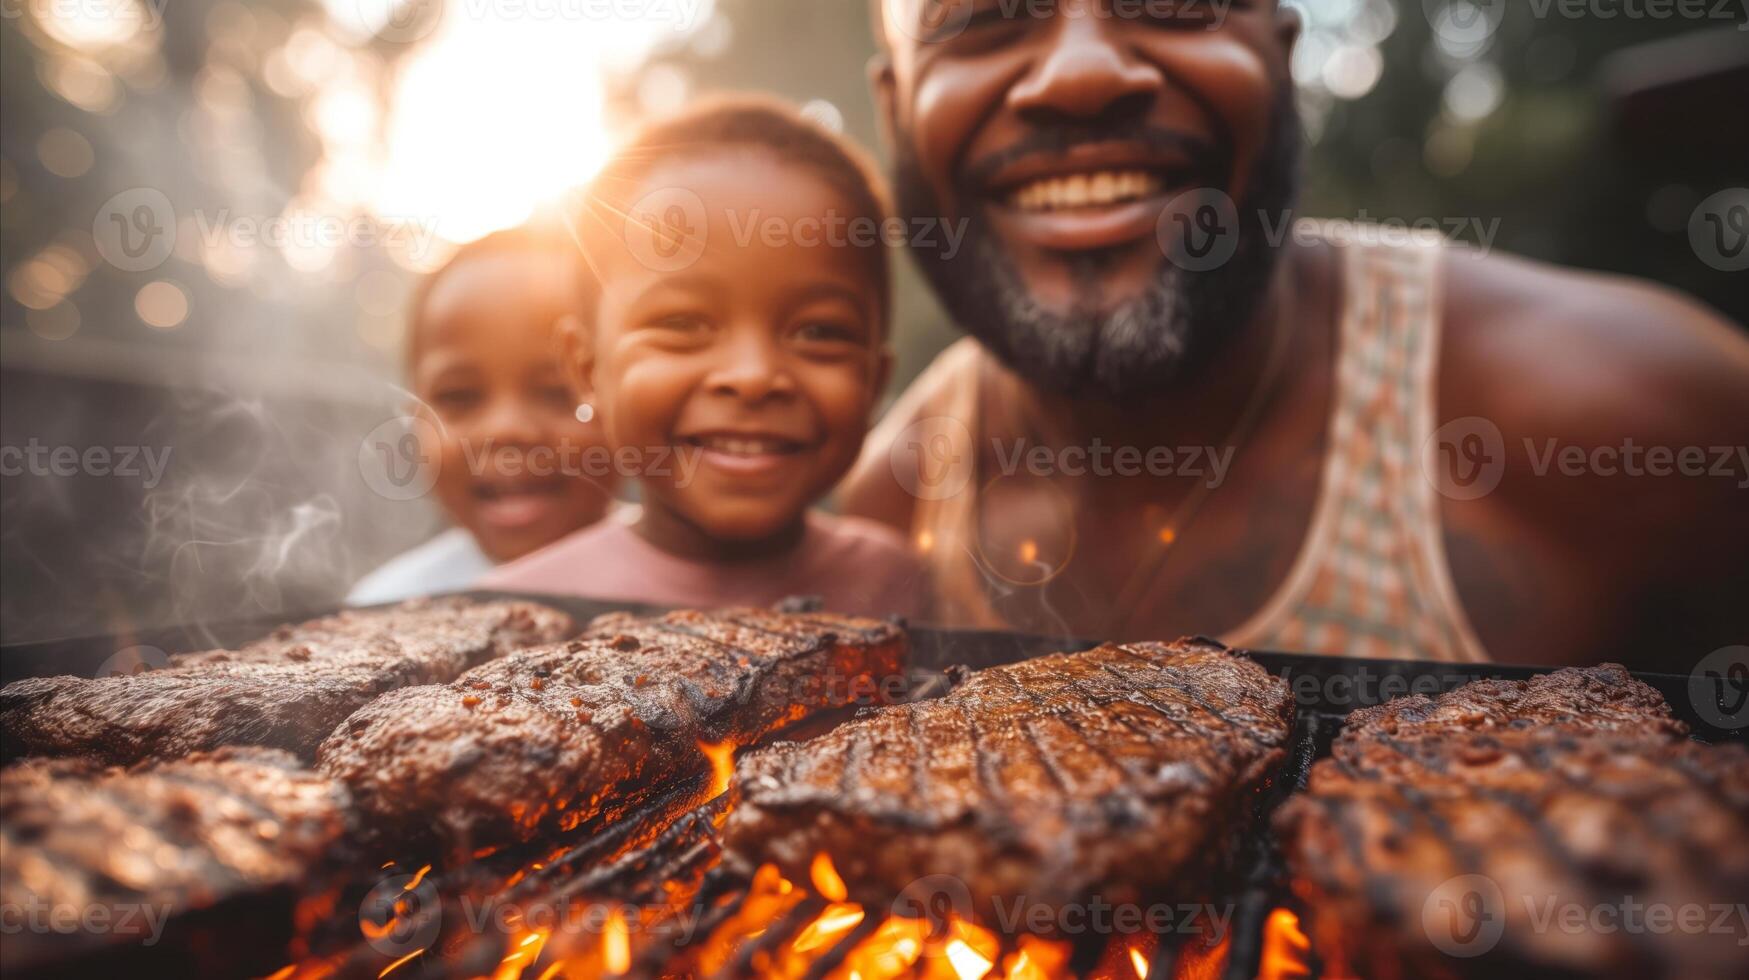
734	344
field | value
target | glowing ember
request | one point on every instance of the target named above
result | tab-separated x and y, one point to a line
522	955
1140	962
616	944
392	967
968	963
1286	950
1029	551
838	919
826	880
418	876
722	757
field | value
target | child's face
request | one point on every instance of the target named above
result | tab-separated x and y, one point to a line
757	364
486	364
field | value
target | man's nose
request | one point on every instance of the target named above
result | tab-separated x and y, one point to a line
750	367
1086	71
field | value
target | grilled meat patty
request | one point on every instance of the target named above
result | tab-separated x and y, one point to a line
122	852
549	738
1488	833
1126	772
286	691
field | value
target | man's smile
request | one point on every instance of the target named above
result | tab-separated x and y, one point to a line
1091	196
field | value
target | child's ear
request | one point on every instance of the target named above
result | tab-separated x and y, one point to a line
576	356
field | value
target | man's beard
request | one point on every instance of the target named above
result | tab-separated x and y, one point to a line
1120	355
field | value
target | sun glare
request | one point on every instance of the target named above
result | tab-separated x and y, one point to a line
502	109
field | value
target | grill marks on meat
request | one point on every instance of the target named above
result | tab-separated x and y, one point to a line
1122	772
549	738
161	839
286	691
1575	790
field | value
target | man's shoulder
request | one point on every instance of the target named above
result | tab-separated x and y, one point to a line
1583	351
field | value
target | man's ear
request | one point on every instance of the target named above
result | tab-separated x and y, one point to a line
576	356
882	82
1288	24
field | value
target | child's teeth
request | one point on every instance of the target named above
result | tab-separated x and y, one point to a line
1083	190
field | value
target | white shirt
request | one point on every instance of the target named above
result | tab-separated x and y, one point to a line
447	563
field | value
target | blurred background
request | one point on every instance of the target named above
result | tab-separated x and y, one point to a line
212	212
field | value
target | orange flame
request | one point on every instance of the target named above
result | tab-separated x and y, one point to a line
616	944
722	758
1139	961
826	879
522	954
1286	950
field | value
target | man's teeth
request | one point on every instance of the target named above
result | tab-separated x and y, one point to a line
1086	190
745	446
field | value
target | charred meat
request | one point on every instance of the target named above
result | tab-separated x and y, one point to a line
549	738
286	691
1126	772
1483	833
130	854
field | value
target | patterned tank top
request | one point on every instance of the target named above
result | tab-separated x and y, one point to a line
1371	578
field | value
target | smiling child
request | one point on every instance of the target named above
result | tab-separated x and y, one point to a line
482	362
734	340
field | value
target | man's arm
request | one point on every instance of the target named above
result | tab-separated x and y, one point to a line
1620	526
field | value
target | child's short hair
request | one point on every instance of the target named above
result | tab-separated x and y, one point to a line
538	236
740	121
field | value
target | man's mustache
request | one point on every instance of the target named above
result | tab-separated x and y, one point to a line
1060	138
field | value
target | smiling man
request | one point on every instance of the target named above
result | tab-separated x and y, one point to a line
1181	412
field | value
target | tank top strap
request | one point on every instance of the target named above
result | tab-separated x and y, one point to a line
1372	579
